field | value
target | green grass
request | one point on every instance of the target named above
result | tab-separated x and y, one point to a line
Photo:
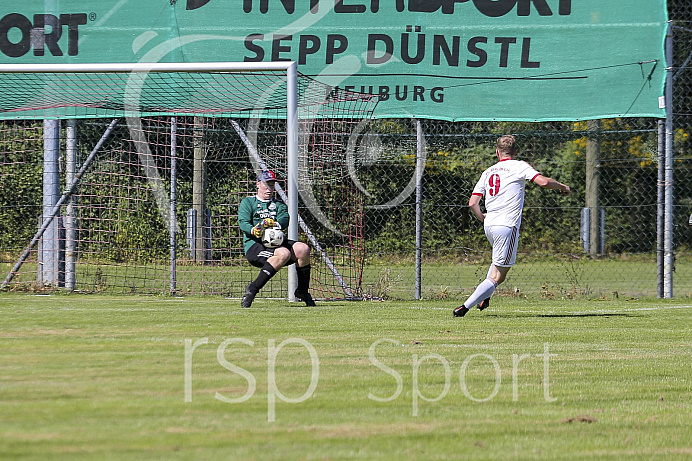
103	377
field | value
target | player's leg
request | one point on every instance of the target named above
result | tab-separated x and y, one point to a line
278	260
505	241
497	273
486	302
302	255
269	260
483	291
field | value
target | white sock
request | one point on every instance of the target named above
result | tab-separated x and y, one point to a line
483	291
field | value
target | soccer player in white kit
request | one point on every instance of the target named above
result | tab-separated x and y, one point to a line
503	186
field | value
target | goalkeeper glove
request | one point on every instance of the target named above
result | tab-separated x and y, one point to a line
268	222
257	230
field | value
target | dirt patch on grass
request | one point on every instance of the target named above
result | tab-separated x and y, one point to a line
580	419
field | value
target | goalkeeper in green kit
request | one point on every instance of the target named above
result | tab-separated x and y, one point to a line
258	215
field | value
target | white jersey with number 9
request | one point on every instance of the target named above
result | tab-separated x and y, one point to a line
503	186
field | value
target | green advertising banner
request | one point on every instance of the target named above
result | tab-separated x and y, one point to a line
528	60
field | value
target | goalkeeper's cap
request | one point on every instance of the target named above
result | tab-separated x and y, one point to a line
266	176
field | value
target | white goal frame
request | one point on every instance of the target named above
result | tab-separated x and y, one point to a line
289	67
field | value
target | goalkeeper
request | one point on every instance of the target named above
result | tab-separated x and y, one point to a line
257	213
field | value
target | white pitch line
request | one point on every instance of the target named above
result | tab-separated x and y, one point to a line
658	308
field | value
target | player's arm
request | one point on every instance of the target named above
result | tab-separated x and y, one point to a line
550	183
245	217
475	205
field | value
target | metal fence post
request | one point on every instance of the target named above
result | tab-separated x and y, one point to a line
70	209
593	201
668	233
420	166
199	188
660	207
174	200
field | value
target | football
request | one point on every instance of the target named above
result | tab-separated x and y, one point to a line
272	237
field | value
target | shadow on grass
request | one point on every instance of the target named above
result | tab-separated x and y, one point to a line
587	314
574	315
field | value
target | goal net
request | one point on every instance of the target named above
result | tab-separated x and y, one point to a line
127	178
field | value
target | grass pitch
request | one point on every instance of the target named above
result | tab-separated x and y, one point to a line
95	377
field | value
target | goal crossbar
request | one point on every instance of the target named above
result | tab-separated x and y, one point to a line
111	90
149	67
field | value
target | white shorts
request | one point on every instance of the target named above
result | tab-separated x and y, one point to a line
505	241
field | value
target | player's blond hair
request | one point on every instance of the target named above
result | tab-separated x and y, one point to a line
507	144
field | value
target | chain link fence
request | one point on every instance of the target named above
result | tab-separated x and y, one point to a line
600	242
560	252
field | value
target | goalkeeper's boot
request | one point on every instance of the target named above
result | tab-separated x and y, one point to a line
306	298
484	304
248	297
460	311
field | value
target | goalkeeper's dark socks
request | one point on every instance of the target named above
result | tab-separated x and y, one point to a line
301	292
303	274
266	273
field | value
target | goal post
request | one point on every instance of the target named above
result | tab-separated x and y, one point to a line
143	94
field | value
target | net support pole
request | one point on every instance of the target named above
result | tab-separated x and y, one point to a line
56	209
70	209
668	232
292	166
50	243
420	165
201	252
174	200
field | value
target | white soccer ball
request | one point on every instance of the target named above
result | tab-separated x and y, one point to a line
272	237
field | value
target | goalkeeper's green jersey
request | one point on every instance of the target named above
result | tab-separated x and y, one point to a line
252	211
